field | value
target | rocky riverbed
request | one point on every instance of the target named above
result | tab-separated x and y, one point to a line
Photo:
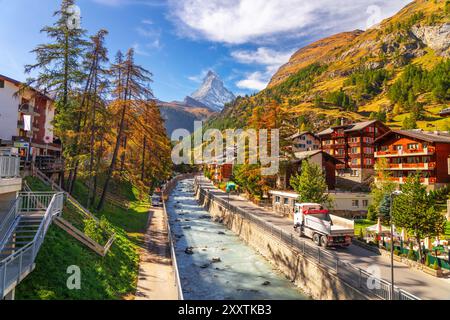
214	263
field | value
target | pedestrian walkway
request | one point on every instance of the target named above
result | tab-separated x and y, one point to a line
413	281
156	273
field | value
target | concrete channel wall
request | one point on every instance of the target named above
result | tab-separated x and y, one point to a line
165	194
309	276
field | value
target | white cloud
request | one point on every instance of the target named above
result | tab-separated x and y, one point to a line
262	56
270	59
198	78
243	21
254	81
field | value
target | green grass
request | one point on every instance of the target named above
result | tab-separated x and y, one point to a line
447	230
362	224
109	278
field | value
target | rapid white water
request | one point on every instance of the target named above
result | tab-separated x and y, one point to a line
221	266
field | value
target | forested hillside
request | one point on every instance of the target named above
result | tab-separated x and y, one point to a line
397	71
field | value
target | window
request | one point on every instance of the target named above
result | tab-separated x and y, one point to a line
303	138
365	203
368	150
277	199
369	162
354	140
341	152
355	203
355	162
2	84
355	150
286	201
301	146
368	140
309	142
413	146
398	147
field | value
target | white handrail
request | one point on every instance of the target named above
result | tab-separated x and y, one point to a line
21	261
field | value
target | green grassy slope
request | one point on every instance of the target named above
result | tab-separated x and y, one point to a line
108	278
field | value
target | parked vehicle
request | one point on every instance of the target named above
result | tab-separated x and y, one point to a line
313	221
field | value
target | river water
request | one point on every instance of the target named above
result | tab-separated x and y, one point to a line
220	265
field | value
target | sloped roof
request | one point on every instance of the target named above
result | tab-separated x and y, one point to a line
299	134
18	83
303	155
442	137
348	127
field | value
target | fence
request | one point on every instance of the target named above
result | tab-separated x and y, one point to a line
353	276
9	167
16	266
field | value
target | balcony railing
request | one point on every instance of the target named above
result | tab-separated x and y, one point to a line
403	180
412	166
402	153
9	167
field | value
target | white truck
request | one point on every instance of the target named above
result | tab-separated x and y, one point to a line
313	221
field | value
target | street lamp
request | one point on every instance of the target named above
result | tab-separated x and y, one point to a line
392	195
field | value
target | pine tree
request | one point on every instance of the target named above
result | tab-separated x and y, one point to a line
311	185
381	190
58	62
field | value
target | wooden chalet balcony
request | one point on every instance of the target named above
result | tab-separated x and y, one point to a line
412	166
340	166
405	153
424	181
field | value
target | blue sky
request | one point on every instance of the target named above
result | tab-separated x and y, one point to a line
244	41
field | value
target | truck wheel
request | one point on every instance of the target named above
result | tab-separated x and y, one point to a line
324	241
316	239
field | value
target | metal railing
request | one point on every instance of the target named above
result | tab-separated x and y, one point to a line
164	195
17	265
9	167
353	276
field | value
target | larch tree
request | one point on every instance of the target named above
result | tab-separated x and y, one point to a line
311	185
131	87
415	210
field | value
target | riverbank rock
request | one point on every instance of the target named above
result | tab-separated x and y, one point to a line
205	266
266	283
205	217
216	260
189	250
221	233
187	228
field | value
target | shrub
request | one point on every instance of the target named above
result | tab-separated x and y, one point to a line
427	261
436	265
361	234
411	253
397	252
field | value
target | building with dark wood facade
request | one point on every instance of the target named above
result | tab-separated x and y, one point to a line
410	151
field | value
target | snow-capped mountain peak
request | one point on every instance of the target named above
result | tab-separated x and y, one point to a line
213	93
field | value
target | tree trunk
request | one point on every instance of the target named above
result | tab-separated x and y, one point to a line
92	142
143	159
118	140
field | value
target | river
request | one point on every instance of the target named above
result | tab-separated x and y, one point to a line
218	265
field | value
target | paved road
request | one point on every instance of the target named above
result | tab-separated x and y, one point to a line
416	282
156	274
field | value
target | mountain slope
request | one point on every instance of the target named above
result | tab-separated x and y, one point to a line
182	115
394	71
213	93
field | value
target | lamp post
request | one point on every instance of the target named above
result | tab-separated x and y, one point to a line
392	195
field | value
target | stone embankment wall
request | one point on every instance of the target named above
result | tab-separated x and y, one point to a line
308	275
